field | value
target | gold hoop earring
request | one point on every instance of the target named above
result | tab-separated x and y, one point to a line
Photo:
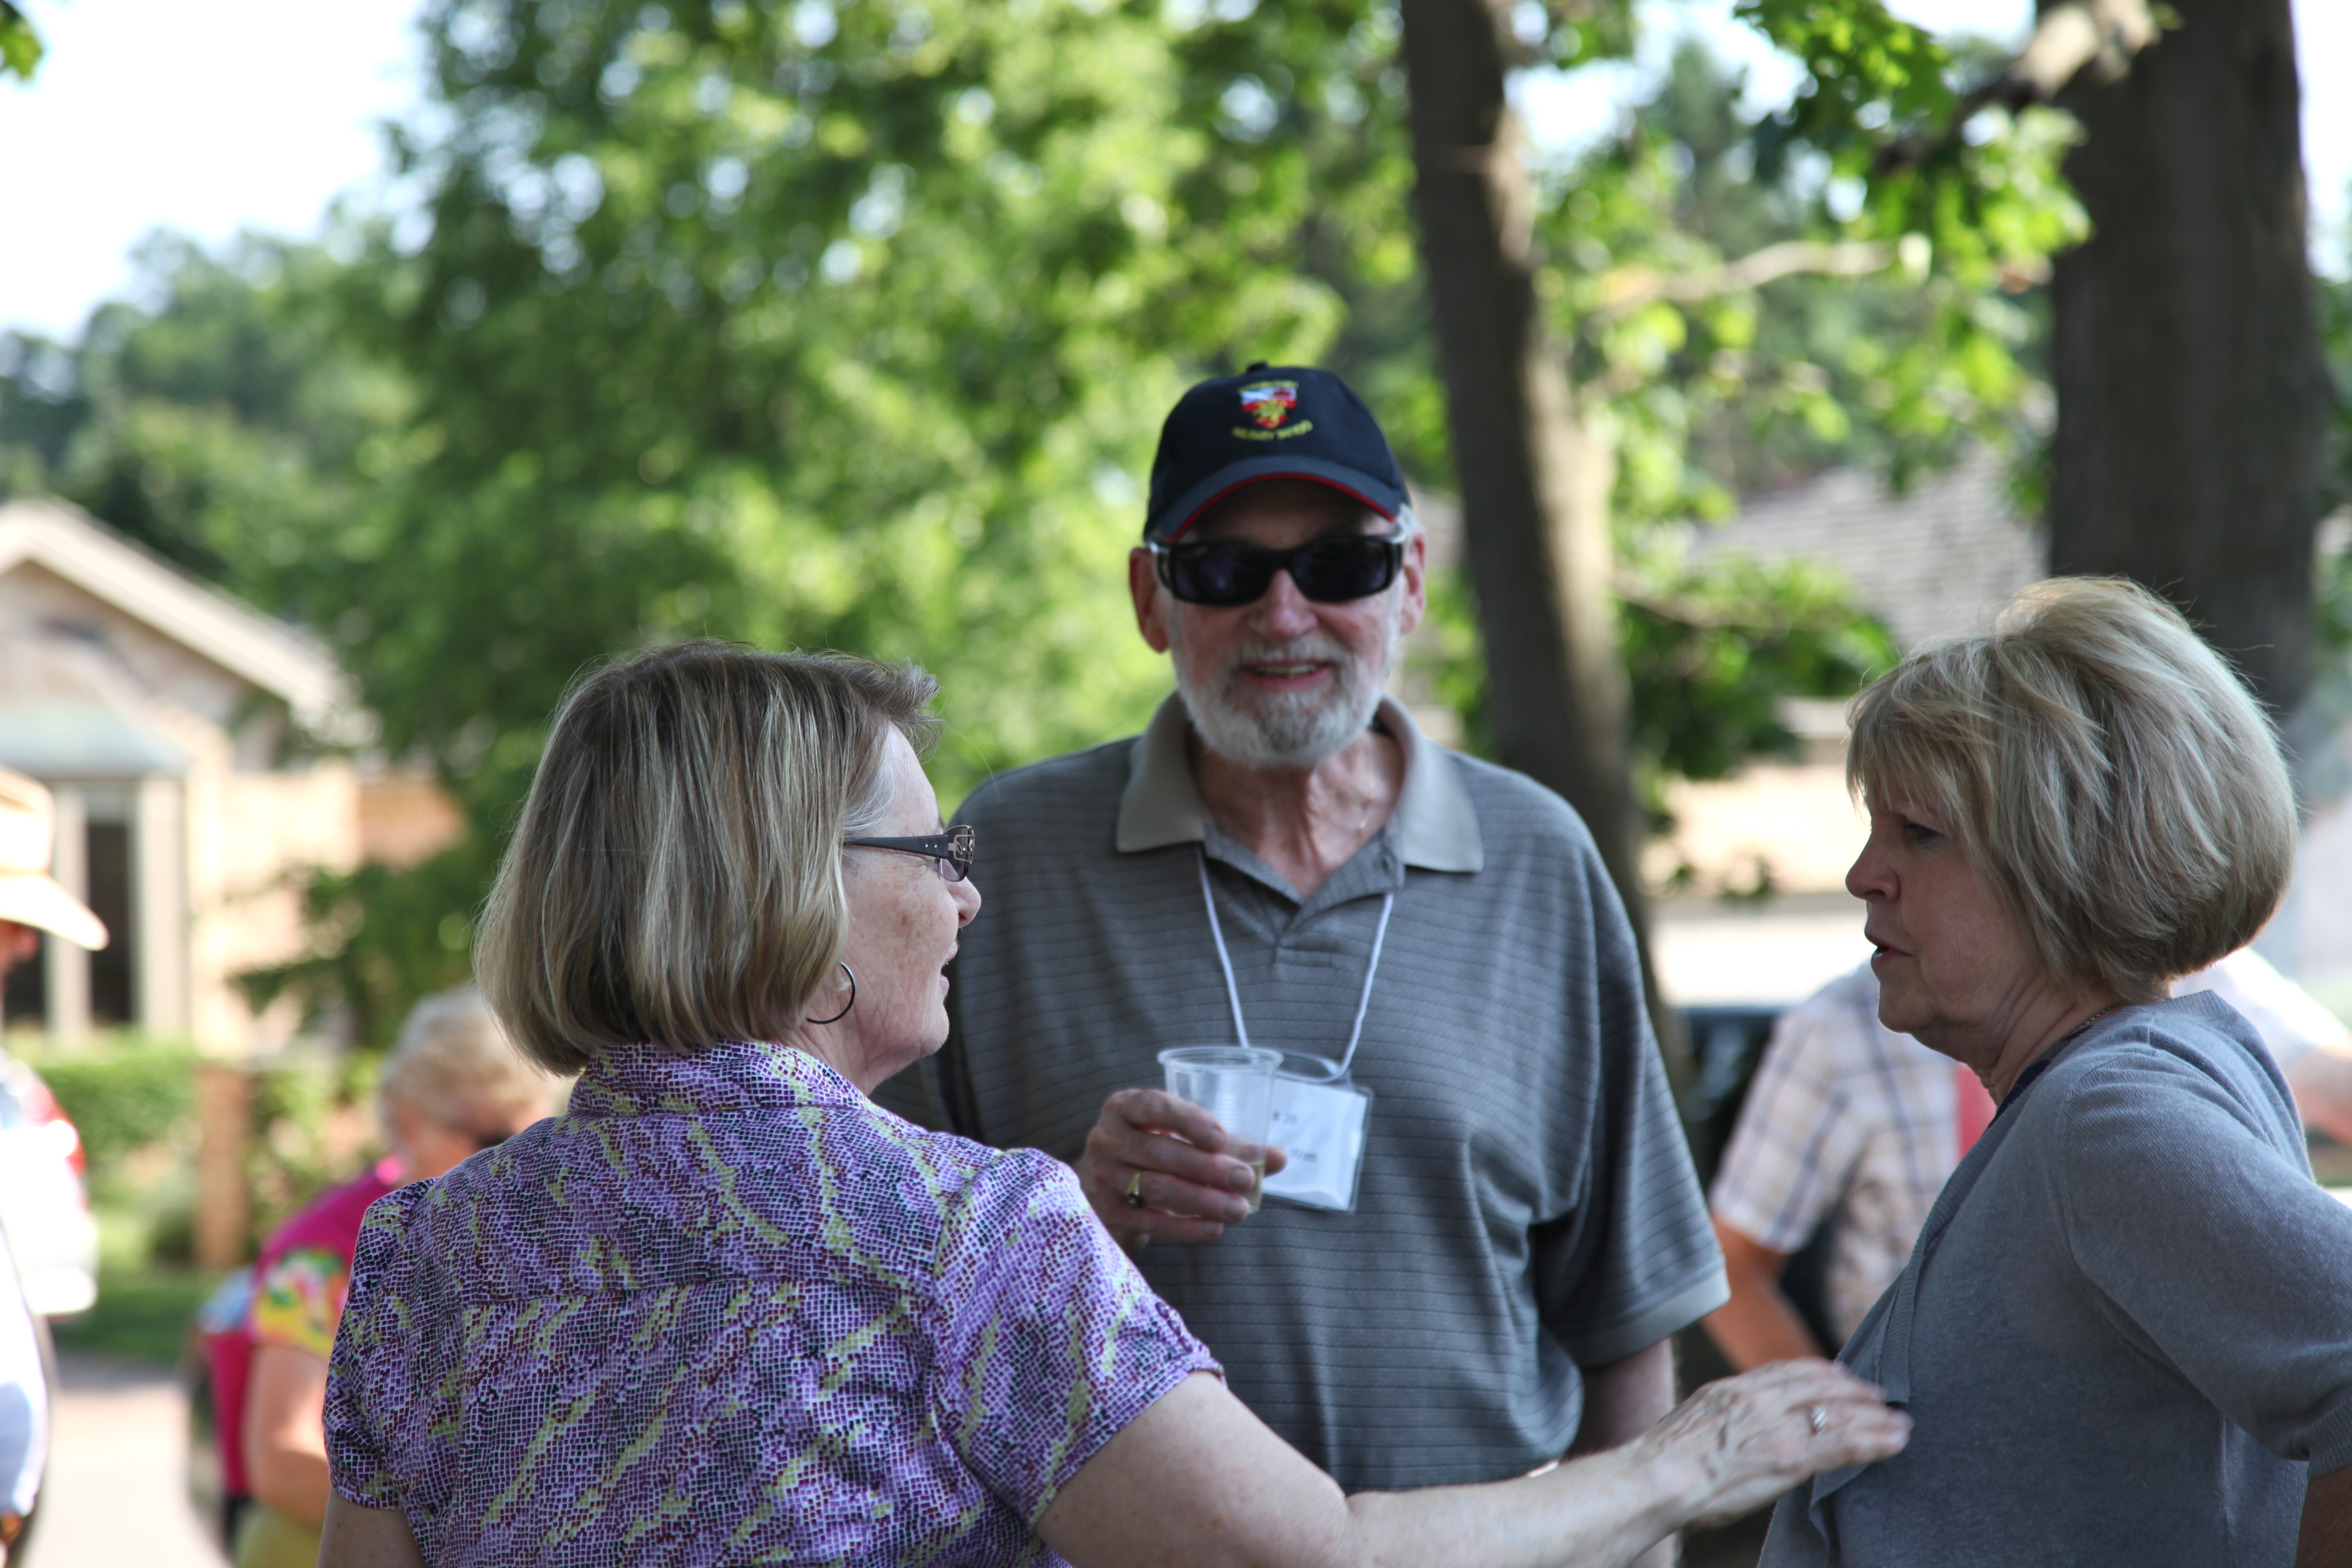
837	1018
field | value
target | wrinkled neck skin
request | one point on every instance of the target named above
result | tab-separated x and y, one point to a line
1304	823
827	1048
2025	1025
839	1046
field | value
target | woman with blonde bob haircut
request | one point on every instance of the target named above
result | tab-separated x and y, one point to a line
2125	1333
727	1310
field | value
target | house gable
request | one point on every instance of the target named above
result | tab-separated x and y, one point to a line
67	545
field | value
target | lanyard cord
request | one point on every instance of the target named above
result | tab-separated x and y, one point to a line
1224	959
1234	994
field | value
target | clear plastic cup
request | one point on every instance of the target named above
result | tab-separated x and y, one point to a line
1236	1085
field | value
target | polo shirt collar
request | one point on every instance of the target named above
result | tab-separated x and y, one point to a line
734	1077
1435	823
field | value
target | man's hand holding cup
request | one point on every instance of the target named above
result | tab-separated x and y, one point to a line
1161	1168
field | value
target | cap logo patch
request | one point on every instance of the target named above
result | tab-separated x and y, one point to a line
1269	402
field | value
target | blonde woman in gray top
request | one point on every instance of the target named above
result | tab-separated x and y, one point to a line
2126	1333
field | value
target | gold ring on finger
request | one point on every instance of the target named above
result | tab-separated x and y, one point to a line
1135	1195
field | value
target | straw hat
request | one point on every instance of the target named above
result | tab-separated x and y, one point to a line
28	894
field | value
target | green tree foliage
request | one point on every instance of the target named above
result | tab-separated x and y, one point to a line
20	45
825	328
852	327
382	937
1894	336
122	1099
1733	640
1738	389
1905	326
223	428
1908	117
803	327
1710	387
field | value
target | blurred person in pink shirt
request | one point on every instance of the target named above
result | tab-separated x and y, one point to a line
451	1087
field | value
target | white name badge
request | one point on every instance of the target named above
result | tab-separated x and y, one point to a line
1322	1127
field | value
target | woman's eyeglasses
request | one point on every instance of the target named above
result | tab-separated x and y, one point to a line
1226	572
952	849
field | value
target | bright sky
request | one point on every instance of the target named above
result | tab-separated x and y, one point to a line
206	118
257	114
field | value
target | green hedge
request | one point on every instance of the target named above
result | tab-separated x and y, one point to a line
123	1095
134	1099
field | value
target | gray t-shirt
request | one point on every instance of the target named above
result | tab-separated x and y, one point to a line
1527	1201
2125	1329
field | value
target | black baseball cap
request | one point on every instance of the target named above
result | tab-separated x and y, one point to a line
1271	422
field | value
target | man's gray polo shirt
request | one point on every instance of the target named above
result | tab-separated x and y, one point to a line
1526	1204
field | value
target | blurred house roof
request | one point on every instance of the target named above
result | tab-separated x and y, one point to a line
54	738
72	545
1926	563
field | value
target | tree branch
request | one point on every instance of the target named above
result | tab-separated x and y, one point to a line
1688	610
1627	289
2103	33
2099	36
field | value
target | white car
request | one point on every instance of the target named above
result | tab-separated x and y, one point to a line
44	1207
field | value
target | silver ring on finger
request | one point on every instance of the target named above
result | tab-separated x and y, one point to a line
1817	1418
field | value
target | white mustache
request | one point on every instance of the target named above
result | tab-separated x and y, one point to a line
1300	650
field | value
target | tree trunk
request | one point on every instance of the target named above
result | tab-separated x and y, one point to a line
2192	397
1534	475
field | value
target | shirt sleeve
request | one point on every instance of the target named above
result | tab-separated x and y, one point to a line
1793	1149
1634	1259
370	1370
2216	1251
298	1300
1049	1342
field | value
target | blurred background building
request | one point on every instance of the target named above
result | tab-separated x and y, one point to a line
179	729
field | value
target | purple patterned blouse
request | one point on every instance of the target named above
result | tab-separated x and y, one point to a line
727	1310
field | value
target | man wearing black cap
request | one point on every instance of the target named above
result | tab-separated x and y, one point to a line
1487	1226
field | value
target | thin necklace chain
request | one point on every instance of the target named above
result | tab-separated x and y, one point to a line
2088	1022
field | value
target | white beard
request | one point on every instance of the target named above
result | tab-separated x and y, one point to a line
1277	732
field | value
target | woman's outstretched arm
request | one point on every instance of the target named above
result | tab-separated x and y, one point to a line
1199	1482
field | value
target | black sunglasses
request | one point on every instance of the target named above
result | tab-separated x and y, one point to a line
1225	571
952	849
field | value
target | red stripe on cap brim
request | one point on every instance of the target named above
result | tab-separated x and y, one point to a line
1178	532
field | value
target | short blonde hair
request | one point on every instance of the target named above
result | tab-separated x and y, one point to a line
454	1067
676	875
2105	772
